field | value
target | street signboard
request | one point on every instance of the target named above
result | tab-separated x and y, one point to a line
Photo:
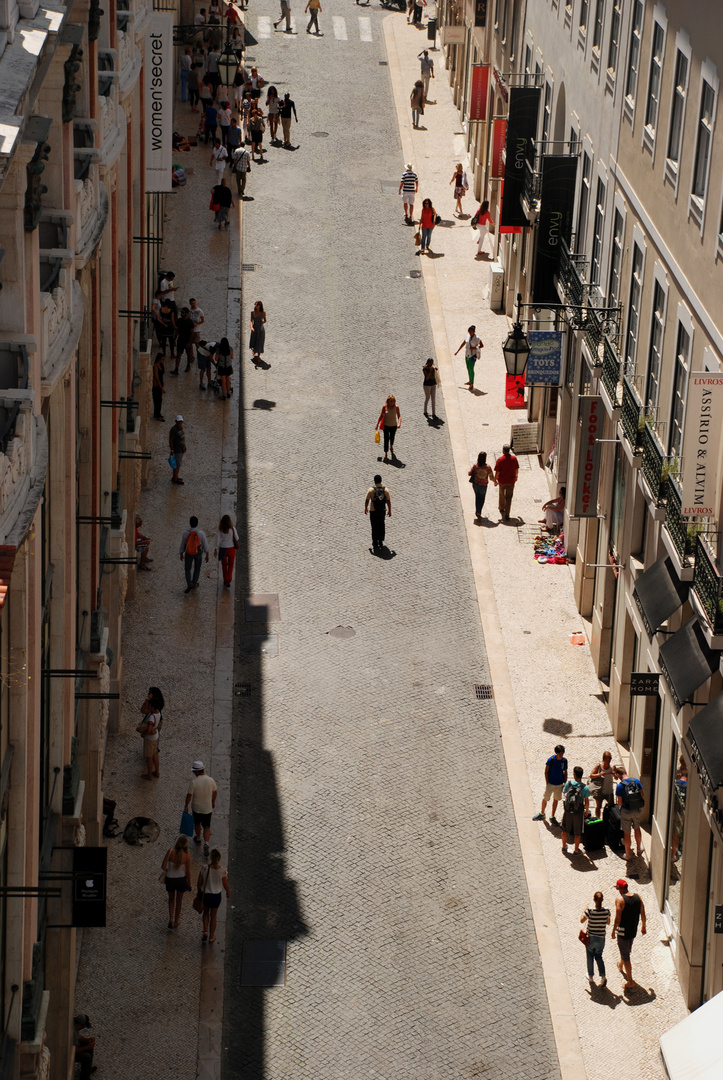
544	363
644	683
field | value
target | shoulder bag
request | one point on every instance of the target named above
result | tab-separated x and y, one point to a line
198	898
584	937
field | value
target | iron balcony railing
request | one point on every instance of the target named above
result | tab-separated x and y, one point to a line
680	532
571	271
708	585
630	417
612	367
594	336
653	459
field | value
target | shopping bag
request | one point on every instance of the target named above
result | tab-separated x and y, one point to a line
377	436
172	461
186	824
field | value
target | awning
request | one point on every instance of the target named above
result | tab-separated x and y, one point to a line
705	738
693	1050
658	593
686	661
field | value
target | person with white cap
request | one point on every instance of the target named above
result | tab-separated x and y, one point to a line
408	187
177	446
201	798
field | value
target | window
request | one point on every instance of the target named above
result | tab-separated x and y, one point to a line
656	346
631	83
584	13
680	384
656	68
497	15
678	109
598	25
616	260
574	141
705	136
597	237
505	8
614	47
547	113
584	203
528	65
636	291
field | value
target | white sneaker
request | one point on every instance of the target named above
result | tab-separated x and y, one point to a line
604	981
591	980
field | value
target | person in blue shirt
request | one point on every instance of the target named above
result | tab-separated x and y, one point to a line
555	777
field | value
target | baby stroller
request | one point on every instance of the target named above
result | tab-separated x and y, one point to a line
214	383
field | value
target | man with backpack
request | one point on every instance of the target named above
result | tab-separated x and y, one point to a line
576	801
629	795
378	505
241	166
555	777
193	546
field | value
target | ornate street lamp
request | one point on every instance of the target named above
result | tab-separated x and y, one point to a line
228	65
516	348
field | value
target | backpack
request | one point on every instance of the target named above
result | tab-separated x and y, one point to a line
379	499
193	543
632	794
574	798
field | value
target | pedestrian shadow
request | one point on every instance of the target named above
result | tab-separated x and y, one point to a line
446	224
435	421
247	198
289	147
486	523
637	995
435	254
263	403
581	861
385	553
603	995
514	521
475	391
263	364
393	461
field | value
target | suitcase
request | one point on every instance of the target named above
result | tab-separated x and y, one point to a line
593	834
613	831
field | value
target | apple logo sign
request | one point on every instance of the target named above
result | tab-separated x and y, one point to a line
90	883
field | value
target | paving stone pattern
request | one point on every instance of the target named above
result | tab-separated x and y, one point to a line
372	826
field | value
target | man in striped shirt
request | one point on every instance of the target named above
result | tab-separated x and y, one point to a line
408	187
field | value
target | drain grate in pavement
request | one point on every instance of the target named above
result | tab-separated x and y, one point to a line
383	63
249	267
483	692
263	963
262	607
389	187
243	689
415	273
320	134
342	632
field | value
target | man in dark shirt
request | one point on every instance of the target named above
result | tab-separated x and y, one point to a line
177	446
555	777
286	109
506	470
224	201
184	336
629	911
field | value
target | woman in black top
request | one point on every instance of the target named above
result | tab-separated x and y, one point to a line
429	372
157	390
224	367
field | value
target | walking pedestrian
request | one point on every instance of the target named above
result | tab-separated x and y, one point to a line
408	188
427	70
459	179
272	111
212	882
507	469
194	546
576	800
149	729
185	64
430	375
210	123
390	420
157	389
201	798
222	199
241	167
84	1046
471	345
286	110
226	548
480	475
555	777
193	87
205	96
604	776
166	329
629	912
213	77
313	7
204	354
416	99
142	544
597	918
256	131
245	110
427	222
184	339
258	331
378	505
417	13
256	83
219	157
224	121
233	138
285	14
629	794
197	318
224	367
177	446
482	222
177	868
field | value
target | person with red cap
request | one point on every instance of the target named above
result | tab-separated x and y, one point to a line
629	911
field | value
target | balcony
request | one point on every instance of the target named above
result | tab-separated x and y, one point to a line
91	212
708	585
571	279
611	372
13	377
532	190
129	60
682	535
593	330
631	418
23	444
61	322
654	466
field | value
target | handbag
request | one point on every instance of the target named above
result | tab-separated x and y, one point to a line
377	435
475	219
186	828
437	379
437	220
417	238
584	937
197	903
142	727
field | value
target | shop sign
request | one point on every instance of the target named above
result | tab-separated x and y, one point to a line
480	92
718	923
507	228
515	391
159	79
544	364
521	132
702	444
557	198
453	35
480	13
644	683
89	882
523	438
499	128
588	458
501	84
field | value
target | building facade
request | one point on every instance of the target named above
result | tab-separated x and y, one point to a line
75	274
615	103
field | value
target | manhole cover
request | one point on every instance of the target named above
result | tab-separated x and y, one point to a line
248	267
383	63
342	632
483	692
320	134
415	273
389	187
141	830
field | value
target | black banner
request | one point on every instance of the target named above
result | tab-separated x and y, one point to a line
644	683
519	146
555	223
480	13
89	881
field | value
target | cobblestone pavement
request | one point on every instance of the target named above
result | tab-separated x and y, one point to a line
372	827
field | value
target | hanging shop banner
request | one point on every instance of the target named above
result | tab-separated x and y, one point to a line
702	444
544	364
480	13
588	458
159	101
557	198
515	391
453	35
499	128
521	131
90	874
480	92
507	228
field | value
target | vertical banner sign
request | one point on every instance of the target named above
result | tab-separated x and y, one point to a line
555	223
521	131
702	444
159	101
480	13
89	881
480	92
499	128
544	364
515	391
507	228
588	458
